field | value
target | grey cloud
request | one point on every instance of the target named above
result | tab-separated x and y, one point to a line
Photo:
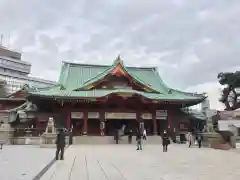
46	43
168	34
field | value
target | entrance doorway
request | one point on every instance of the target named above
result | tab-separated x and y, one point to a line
123	125
94	127
148	125
77	125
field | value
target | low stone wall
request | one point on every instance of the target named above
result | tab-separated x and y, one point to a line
110	140
215	141
212	138
49	142
222	146
6	133
25	140
30	140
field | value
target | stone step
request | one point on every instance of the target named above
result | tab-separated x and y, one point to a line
110	140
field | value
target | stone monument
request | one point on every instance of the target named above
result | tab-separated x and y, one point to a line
50	134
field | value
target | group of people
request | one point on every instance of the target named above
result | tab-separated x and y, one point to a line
140	135
194	137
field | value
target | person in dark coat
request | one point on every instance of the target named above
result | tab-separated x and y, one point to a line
199	140
130	136
60	142
139	140
165	141
174	136
116	136
70	136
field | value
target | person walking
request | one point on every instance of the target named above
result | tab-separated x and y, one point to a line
199	140
139	140
60	142
165	141
190	139
174	136
116	136
70	136
130	136
144	134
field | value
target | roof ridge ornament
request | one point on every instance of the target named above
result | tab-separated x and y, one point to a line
118	60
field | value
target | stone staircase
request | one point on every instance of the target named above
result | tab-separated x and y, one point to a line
110	140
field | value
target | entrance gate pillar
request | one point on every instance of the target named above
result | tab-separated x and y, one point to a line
85	122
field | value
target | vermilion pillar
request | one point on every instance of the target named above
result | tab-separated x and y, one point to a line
154	122
138	116
68	118
85	122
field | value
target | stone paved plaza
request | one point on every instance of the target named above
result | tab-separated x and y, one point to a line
23	162
123	162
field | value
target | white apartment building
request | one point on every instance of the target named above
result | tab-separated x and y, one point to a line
15	72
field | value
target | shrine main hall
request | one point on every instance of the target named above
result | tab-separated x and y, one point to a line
98	99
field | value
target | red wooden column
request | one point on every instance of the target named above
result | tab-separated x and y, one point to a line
85	122
138	116
154	122
68	117
102	122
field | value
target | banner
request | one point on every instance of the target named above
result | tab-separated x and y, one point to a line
77	115
120	115
161	114
146	116
93	115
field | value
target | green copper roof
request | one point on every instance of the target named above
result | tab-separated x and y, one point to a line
96	93
75	76
109	69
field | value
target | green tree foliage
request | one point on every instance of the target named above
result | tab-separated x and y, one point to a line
229	95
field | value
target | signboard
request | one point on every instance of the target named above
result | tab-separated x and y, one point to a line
205	104
93	115
77	115
226	114
146	116
236	113
161	114
119	115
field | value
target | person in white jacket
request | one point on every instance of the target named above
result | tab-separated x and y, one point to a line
144	134
190	139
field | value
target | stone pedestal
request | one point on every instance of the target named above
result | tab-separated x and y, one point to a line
49	136
212	139
6	133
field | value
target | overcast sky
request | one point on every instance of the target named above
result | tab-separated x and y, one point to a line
190	41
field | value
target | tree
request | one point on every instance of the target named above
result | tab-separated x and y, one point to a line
230	96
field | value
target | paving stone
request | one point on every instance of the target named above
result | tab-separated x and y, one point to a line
121	162
23	162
